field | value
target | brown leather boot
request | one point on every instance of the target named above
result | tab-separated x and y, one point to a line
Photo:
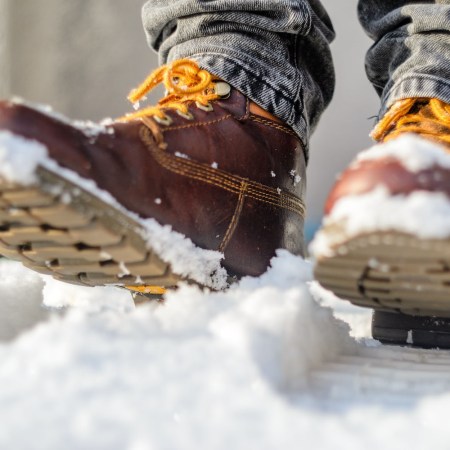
385	240
97	203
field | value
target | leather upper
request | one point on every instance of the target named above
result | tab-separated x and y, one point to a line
389	172
228	179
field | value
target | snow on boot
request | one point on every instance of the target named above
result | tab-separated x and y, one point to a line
385	238
161	195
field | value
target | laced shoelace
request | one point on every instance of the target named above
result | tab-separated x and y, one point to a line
185	83
426	117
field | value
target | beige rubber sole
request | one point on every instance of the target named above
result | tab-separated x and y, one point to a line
59	229
391	271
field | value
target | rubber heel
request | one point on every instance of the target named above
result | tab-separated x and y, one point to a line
415	331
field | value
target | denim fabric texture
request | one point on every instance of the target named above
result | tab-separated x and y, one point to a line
274	51
411	53
277	51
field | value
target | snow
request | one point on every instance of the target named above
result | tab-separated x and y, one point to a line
262	365
295	177
181	155
424	214
19	160
415	153
16	164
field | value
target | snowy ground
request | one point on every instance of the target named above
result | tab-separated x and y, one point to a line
266	365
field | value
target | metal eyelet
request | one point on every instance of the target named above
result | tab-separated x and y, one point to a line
223	89
187	116
165	121
206	108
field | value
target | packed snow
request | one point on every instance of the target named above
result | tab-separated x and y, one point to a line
274	362
415	153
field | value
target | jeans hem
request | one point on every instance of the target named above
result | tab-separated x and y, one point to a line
415	86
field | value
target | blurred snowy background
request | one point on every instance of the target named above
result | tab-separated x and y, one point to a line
83	58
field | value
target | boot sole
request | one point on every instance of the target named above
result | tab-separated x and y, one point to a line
392	272
57	228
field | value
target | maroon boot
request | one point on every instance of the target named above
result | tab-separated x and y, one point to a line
203	187
385	240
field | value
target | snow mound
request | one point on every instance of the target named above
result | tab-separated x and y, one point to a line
20	299
261	366
195	372
17	165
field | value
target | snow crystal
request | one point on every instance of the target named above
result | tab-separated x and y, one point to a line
181	155
295	177
92	129
107	122
214	165
272	174
415	153
424	214
158	201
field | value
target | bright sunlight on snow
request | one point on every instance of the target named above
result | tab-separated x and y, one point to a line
273	363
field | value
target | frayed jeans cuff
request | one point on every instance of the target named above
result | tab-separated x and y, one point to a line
416	86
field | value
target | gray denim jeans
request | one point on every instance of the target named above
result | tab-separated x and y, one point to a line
277	51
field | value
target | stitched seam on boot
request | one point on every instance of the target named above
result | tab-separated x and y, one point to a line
196	124
273	125
222	179
234	220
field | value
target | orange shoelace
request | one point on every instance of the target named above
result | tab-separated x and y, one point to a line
429	118
185	83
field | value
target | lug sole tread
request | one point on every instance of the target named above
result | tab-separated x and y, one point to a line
391	271
57	228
